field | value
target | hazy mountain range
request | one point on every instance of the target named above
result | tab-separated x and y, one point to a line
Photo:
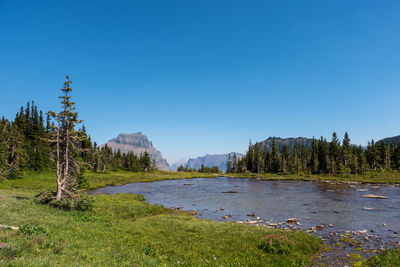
138	143
219	160
175	166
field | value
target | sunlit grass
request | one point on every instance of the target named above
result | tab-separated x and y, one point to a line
123	230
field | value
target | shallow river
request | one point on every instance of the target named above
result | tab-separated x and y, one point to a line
312	203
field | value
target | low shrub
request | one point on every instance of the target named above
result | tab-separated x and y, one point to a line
148	250
276	244
81	202
29	229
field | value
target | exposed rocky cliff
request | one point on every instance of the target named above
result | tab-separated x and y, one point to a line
138	143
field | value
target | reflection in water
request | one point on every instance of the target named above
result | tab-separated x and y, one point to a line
311	203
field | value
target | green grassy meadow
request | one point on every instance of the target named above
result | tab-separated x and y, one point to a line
124	230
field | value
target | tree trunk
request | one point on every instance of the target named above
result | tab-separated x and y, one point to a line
59	191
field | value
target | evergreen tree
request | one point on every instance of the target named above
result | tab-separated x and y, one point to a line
275	160
154	165
258	163
145	161
373	155
396	157
285	158
362	160
65	138
323	156
347	158
384	155
314	162
229	164
296	165
4	129
250	158
334	154
235	163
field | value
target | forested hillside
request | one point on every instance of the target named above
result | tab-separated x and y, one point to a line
322	157
26	144
390	140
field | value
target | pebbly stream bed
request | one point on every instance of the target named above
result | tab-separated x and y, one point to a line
354	226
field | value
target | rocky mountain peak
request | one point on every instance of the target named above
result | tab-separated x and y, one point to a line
137	143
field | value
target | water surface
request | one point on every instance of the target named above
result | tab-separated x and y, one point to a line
312	203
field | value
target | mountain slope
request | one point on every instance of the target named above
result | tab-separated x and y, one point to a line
390	140
138	143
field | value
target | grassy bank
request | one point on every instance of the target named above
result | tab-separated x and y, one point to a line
388	258
123	230
390	177
46	180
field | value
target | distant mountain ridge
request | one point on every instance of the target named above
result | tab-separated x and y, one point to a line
138	143
177	164
291	142
390	140
219	160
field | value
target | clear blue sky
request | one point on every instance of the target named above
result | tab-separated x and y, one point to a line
203	77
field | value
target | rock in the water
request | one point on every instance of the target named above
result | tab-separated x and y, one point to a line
360	232
291	220
312	229
375	196
366	208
